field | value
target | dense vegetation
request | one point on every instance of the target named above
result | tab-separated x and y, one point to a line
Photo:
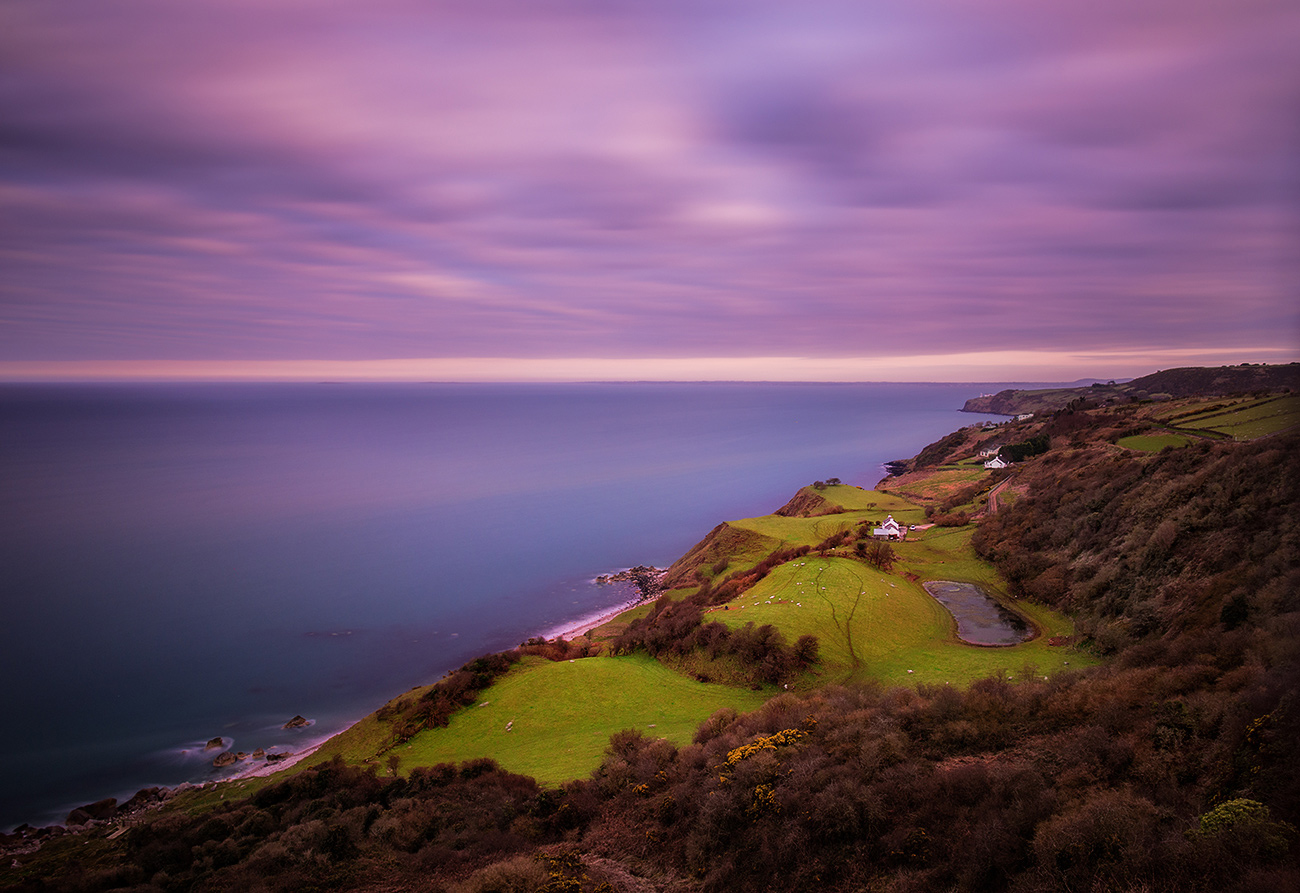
1201	541
1175	766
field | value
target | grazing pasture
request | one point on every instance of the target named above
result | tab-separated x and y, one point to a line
553	720
1152	443
1244	420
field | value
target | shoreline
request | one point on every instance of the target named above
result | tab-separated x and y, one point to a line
592	622
710	481
567	630
570	629
263	768
639	595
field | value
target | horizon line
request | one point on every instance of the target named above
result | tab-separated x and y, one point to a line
968	367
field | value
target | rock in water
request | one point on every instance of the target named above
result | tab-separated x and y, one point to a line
144	797
296	723
100	809
214	744
223	760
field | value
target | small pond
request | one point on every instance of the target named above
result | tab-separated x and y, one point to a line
980	619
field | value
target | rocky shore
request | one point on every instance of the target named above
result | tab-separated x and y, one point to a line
648	580
108	814
25	839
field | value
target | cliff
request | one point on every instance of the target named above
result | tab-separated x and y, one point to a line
1169	383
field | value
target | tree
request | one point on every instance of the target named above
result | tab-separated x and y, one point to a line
807	650
880	554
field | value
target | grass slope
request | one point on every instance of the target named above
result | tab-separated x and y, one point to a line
873	625
1249	420
561	715
860	505
1152	443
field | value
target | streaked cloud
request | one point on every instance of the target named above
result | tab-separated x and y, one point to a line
848	184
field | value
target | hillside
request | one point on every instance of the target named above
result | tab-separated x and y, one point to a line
1163	385
1160	754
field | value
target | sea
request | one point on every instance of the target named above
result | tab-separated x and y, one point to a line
183	562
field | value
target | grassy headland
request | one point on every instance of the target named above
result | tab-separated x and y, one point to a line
1165	757
871	623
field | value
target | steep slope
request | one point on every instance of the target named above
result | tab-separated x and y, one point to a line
808	503
722	544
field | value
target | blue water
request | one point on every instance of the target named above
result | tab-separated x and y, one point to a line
186	561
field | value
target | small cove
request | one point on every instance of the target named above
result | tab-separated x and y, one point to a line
980	619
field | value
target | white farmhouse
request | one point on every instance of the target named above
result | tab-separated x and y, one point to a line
995	463
891	529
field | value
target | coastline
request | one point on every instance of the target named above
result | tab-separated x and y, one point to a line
610	428
250	768
587	624
264	768
572	629
568	630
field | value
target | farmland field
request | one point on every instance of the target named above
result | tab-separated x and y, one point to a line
1152	443
1248	421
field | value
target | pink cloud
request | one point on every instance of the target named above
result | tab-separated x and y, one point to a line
221	181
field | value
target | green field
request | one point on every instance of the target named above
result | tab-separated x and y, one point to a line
860	505
945	553
561	715
940	483
873	625
856	499
1246	421
1152	443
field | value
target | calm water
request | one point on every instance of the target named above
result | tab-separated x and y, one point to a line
186	561
980	619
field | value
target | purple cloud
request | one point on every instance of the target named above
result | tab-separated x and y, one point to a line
232	181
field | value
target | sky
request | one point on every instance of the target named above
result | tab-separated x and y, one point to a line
959	190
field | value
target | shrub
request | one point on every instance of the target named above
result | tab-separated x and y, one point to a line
1246	829
807	650
1112	836
1018	452
522	874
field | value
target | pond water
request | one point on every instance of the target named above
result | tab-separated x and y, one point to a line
980	619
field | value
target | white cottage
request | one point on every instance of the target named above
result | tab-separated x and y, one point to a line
995	463
891	529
